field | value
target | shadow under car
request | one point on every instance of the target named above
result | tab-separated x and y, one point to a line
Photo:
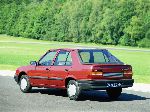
94	95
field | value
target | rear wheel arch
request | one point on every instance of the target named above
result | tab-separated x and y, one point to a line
67	80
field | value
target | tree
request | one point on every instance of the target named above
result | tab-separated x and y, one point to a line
114	22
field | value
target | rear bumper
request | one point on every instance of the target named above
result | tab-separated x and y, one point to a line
104	84
16	78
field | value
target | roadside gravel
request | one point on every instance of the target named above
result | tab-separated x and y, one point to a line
136	87
7	73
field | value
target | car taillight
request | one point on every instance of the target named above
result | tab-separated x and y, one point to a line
128	73
97	72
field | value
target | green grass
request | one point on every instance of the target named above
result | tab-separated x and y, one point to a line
13	55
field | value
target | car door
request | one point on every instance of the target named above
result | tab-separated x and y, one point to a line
60	69
40	75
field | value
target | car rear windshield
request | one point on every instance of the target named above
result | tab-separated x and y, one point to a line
97	56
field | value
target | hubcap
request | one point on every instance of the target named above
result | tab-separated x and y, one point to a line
72	89
23	84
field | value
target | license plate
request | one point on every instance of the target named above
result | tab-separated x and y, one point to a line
113	84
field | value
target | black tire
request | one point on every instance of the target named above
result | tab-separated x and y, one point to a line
27	86
114	93
77	93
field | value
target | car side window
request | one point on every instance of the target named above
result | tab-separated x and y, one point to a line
69	60
93	56
63	59
100	57
47	59
85	56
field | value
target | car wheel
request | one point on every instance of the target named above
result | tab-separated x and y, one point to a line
114	93
73	90
24	84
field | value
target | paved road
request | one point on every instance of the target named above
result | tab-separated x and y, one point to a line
75	45
51	100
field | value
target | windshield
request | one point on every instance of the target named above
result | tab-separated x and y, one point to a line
97	56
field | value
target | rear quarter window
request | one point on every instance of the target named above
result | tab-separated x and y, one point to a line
93	56
85	56
100	57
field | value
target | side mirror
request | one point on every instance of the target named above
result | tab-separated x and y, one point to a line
33	63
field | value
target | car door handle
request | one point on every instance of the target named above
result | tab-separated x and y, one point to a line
66	70
48	69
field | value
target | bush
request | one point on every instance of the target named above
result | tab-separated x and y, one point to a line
125	40
144	43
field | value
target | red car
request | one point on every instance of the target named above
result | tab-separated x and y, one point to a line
76	70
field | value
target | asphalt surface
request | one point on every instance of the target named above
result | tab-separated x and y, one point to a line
54	100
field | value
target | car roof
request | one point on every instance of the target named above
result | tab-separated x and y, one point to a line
77	48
